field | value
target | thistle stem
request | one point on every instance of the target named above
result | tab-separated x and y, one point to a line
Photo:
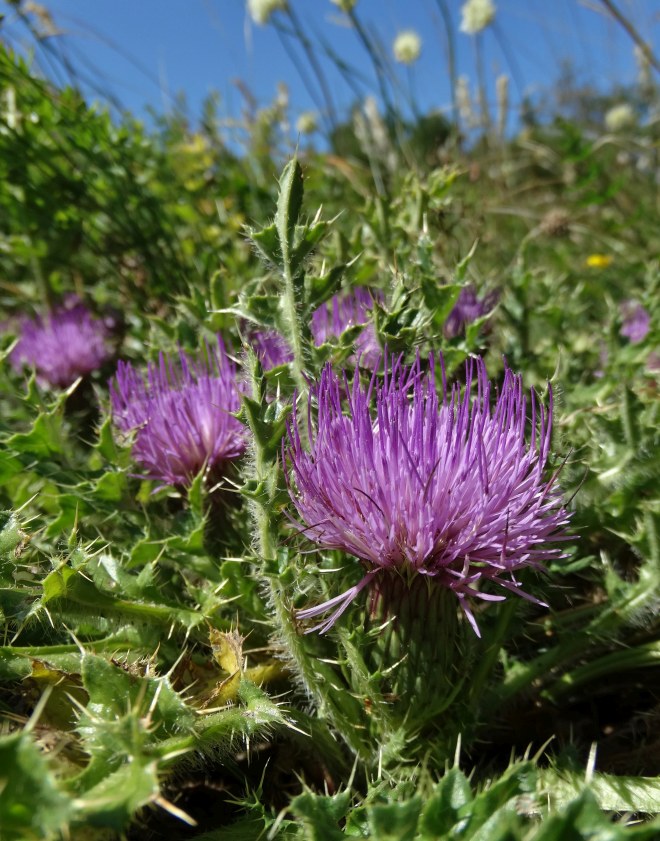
321	681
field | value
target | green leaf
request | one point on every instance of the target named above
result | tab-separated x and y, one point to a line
268	243
446	808
504	825
307	238
579	820
439	298
112	691
110	487
267	423
395	821
516	780
113	802
32	806
11	535
289	204
320	289
262	310
44	440
13	667
613	793
74	586
321	815
106	443
462	267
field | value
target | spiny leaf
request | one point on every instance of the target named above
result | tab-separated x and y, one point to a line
289	204
32	805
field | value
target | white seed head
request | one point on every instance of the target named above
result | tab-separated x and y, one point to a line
477	15
262	10
345	5
307	122
620	117
407	46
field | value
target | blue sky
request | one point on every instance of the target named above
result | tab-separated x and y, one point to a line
146	51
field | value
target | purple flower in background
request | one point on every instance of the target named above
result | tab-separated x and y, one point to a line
181	414
271	348
66	344
345	310
468	308
636	321
444	488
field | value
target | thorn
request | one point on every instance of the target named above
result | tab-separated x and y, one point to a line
36	712
457	753
75	640
591	764
164	804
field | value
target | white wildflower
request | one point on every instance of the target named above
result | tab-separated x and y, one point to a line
307	123
477	15
620	117
407	46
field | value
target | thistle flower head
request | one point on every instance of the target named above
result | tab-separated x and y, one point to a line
468	308
181	414
477	15
636	321
407	46
66	344
346	310
443	487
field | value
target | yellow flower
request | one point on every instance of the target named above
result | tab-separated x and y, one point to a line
599	261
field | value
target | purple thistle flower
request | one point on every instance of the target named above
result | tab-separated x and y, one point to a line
349	309
271	348
636	321
181	414
468	308
443	488
66	344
